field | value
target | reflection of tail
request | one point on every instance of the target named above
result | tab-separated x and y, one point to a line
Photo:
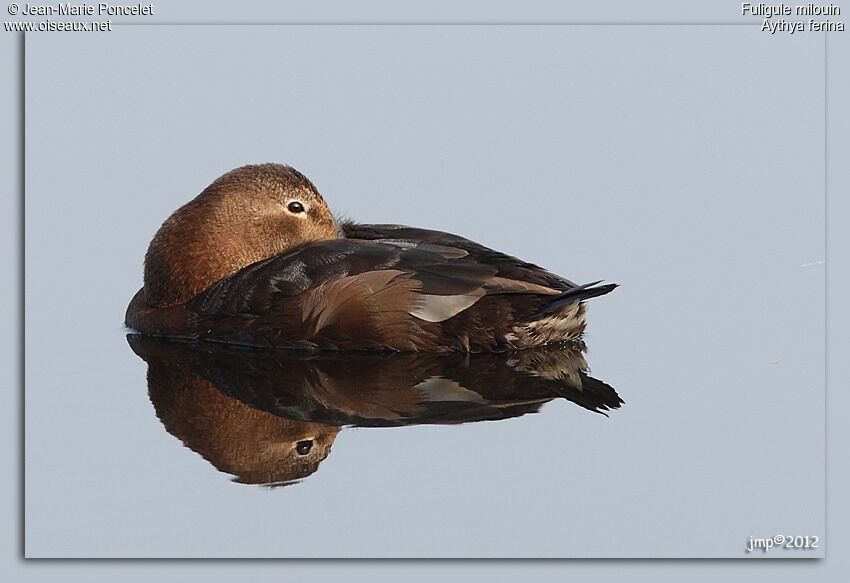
594	395
564	372
582	292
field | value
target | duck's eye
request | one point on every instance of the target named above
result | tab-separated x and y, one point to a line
304	447
295	207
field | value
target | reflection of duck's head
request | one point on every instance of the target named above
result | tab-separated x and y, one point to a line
254	446
245	216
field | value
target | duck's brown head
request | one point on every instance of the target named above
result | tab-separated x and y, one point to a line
249	214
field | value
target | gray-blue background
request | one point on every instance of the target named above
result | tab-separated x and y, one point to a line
836	366
659	158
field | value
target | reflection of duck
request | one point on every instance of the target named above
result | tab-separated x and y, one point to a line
271	416
257	258
254	446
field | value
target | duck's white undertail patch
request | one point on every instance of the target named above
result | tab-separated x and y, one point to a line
566	324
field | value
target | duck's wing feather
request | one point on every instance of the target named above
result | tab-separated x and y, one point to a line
506	266
344	288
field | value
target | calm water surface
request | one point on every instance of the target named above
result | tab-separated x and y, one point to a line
678	162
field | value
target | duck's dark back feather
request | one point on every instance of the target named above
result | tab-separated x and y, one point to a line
506	265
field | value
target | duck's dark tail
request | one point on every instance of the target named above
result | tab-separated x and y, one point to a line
576	294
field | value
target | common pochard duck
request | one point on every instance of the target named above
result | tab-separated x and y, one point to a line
258	259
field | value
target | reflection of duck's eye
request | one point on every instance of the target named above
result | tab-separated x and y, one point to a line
295	207
304	447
